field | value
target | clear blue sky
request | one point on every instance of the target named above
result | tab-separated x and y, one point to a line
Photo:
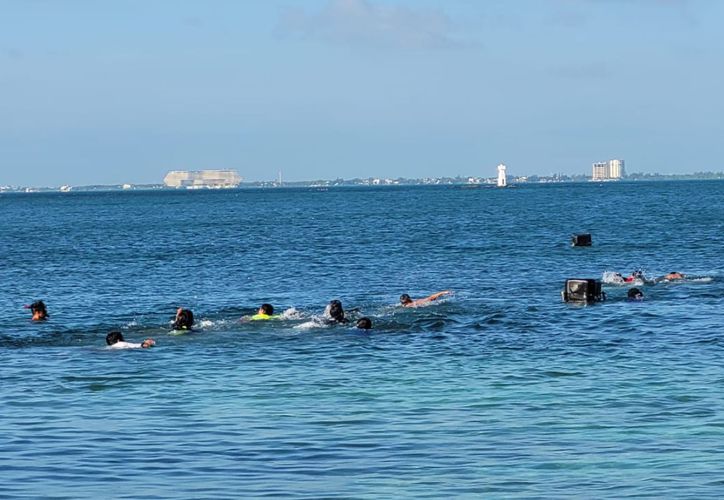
123	91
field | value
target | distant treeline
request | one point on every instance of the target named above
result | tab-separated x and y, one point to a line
656	176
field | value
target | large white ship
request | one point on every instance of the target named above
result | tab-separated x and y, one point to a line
198	179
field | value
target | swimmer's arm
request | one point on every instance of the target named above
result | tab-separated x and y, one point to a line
429	299
437	295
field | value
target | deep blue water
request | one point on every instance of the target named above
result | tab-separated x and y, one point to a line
500	391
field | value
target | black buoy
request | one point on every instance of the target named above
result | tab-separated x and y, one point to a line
582	290
581	240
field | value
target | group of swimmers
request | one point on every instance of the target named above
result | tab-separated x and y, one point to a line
334	312
638	275
184	320
635	294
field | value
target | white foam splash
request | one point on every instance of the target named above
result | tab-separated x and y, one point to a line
612	278
703	279
315	322
291	313
207	323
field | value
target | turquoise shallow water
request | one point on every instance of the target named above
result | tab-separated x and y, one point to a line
501	390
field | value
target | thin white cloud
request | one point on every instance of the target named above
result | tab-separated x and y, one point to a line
364	23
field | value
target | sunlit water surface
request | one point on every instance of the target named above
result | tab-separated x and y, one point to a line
500	390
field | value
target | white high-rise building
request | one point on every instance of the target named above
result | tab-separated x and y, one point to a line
608	170
502	177
616	169
600	171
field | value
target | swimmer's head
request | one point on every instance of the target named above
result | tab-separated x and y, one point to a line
114	337
335	310
405	299
635	294
267	309
38	309
364	323
184	319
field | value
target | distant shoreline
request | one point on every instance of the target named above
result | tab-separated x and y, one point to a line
469	182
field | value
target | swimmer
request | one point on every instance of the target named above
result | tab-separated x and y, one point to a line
40	313
364	323
334	312
634	294
635	275
184	319
673	276
266	311
407	301
115	340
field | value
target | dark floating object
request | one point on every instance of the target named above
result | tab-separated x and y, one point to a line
581	240
583	290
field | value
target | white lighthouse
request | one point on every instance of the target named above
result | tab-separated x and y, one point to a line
502	178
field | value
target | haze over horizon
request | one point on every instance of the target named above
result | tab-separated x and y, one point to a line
107	93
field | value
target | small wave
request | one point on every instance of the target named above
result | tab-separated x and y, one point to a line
561	373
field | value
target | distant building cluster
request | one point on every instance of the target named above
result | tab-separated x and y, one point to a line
202	179
608	170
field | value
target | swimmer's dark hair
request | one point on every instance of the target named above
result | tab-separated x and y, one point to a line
184	320
337	312
364	323
635	293
405	299
114	337
39	306
267	309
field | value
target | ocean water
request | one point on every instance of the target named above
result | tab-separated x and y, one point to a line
500	390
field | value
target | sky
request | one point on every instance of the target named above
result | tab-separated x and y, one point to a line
123	91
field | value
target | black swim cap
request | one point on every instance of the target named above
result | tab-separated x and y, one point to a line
364	323
336	311
38	305
114	337
184	321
